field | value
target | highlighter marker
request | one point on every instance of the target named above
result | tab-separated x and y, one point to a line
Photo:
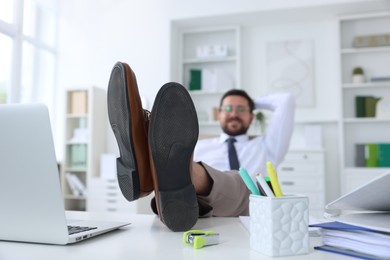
274	180
268	181
248	181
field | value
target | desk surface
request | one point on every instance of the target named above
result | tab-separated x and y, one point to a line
148	238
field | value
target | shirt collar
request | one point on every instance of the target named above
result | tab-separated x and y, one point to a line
239	138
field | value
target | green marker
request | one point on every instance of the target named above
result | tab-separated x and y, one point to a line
248	181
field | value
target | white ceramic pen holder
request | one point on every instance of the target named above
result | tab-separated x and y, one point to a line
279	226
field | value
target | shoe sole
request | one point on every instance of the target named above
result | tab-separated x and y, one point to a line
173	134
120	121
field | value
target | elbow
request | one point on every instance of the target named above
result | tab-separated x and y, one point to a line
289	100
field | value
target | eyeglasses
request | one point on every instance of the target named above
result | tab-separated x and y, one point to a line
238	109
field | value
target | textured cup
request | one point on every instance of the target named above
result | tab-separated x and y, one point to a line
279	226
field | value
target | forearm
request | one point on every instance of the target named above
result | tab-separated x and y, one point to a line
274	102
280	127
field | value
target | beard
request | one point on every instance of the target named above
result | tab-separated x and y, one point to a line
237	131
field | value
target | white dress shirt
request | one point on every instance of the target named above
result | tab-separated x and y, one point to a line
253	153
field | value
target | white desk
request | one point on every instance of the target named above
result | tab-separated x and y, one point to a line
148	238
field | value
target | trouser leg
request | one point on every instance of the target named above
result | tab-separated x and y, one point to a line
229	196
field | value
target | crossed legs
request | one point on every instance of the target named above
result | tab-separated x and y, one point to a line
156	154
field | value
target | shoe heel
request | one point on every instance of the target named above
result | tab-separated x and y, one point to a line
126	179
179	208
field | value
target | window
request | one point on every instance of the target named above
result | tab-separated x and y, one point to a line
7	10
28	51
5	66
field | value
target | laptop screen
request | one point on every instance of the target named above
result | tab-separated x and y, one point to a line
30	193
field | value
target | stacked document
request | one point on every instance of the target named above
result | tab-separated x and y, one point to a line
355	241
361	225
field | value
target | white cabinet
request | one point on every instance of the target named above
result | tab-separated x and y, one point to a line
375	62
208	64
85	123
106	196
302	172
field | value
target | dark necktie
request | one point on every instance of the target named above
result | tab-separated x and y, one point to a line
233	159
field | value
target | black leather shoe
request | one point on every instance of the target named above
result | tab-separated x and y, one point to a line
129	123
173	134
153	205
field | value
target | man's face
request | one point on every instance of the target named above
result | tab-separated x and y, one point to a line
234	115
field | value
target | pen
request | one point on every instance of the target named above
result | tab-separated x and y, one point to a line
262	192
274	179
248	181
264	186
268	181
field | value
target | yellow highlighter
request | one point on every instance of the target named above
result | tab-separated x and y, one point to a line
274	180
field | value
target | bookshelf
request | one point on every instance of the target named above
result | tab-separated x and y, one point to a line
85	123
358	129
222	69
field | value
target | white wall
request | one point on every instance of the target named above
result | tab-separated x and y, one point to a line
94	34
322	34
326	94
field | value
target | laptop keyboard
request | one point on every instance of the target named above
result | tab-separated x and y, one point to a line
78	229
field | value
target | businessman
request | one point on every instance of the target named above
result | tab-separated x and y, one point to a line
234	148
156	154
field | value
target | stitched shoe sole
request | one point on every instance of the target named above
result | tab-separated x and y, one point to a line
120	121
173	134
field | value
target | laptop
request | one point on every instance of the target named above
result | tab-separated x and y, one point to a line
31	203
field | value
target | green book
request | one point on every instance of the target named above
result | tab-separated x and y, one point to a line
371	155
79	155
384	155
370	106
73	155
360	106
195	79
83	155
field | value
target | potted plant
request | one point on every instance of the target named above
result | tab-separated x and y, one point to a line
260	119
357	75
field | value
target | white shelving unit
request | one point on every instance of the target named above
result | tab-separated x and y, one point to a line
189	41
375	62
85	123
334	91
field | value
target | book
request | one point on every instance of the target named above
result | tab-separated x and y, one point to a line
360	158
72	186
76	186
371	155
360	106
380	79
383	155
79	102
216	79
78	155
195	79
